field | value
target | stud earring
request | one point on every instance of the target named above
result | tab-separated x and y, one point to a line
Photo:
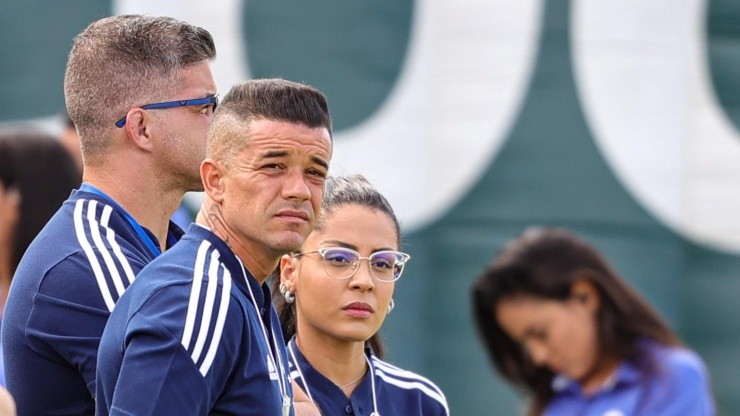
391	305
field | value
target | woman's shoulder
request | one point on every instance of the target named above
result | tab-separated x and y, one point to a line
680	383
679	363
408	382
397	375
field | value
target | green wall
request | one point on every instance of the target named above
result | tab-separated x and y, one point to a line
549	170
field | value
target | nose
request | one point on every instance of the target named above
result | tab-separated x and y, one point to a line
537	352
295	186
362	279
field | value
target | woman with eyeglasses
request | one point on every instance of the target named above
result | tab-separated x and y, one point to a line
558	322
333	297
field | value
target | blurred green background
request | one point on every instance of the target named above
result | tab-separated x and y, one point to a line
548	168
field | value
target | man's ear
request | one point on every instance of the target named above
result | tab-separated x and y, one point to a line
213	175
138	129
584	291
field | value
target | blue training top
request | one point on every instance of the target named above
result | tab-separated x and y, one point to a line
195	334
678	385
65	286
385	389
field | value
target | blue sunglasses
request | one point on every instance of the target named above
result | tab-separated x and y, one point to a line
170	104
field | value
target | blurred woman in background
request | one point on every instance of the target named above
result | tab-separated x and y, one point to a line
36	175
559	323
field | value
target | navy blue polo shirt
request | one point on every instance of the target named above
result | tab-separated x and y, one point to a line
60	298
195	334
385	389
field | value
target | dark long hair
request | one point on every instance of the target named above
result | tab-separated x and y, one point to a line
340	191
44	173
544	263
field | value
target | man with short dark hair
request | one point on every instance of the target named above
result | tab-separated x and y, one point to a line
141	93
196	333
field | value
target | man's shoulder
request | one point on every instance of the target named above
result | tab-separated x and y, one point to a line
187	294
84	225
189	275
85	255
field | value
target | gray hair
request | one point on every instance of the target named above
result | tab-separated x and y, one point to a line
125	61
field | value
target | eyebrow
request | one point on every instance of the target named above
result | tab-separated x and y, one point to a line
321	162
274	154
209	95
354	247
282	153
528	333
340	244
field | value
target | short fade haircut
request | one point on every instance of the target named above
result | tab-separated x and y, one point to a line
272	99
125	61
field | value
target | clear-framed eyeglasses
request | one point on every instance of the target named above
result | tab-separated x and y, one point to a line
343	263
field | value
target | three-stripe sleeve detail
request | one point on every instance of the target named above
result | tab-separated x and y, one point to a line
408	380
207	307
110	235
90	217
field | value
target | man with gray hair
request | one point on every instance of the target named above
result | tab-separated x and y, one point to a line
141	94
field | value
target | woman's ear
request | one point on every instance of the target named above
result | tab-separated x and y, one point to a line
288	271
585	292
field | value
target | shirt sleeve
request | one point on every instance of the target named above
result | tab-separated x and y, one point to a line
161	373
157	376
69	315
687	390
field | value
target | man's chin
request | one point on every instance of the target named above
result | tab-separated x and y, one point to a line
290	242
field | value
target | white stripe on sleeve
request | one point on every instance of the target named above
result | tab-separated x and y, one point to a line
102	249
391	373
110	235
200	260
205	322
90	253
220	320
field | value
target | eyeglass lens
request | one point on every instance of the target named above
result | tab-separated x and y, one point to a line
342	263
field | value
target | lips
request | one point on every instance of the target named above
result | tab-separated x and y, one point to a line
293	214
359	310
360	306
